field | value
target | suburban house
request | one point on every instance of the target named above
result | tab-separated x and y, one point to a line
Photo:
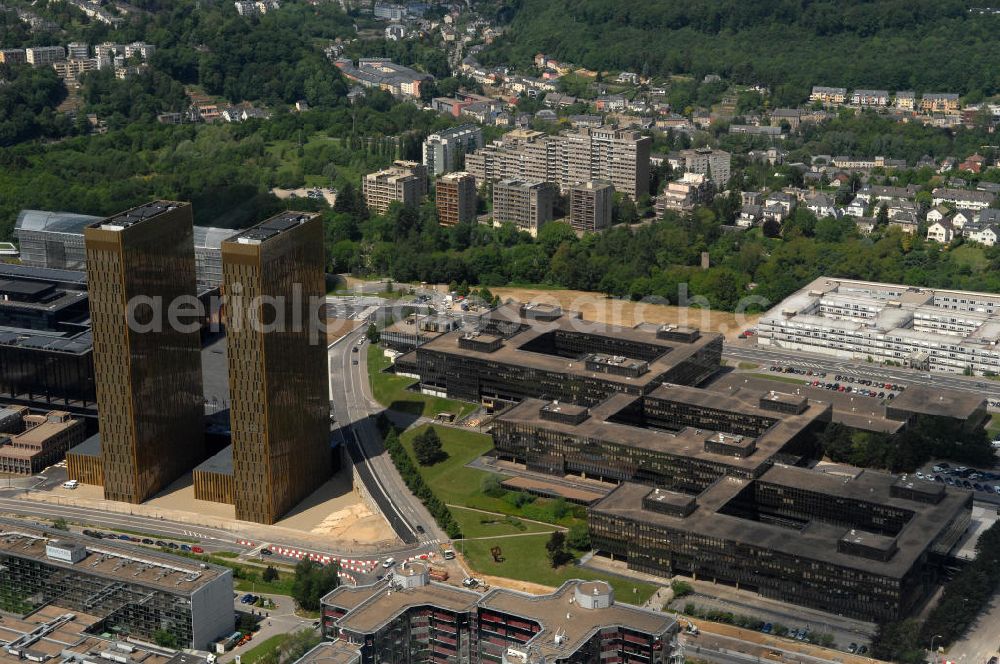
941	231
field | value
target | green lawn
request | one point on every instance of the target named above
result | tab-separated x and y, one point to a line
455	484
264	648
524	558
391	391
477	524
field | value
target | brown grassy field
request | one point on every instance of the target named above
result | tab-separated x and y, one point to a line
600	308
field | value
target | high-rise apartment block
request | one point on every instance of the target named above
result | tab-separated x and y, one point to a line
590	205
148	370
525	203
456	198
404	181
619	156
443	151
44	55
715	164
273	275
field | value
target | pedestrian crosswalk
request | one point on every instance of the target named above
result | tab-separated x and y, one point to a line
430	542
195	534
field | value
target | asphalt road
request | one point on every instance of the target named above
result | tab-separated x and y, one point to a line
355	409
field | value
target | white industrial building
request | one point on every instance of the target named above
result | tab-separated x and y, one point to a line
932	329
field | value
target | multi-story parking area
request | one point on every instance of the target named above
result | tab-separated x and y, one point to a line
940	330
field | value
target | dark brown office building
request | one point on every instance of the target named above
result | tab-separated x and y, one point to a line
149	390
277	364
856	542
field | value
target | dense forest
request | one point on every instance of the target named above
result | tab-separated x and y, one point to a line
225	170
789	45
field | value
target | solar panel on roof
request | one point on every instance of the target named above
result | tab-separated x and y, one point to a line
282	223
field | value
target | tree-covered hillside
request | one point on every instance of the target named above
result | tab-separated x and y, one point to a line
790	45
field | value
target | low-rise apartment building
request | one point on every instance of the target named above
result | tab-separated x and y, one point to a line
404	181
681	195
963	198
870	97
939	102
41	56
828	95
13	56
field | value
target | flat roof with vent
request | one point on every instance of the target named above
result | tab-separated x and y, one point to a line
271	228
136	215
107	559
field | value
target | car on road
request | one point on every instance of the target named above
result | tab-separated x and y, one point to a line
354	350
266	552
197	549
388	562
185	547
161	543
172	545
767	628
70	484
147	541
420	529
862	649
354	362
853	648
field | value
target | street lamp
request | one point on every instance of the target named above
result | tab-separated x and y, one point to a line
936	636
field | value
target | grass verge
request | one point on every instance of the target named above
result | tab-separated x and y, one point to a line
525	559
264	648
477	524
778	378
391	391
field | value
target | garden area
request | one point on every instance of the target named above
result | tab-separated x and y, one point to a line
486	516
393	391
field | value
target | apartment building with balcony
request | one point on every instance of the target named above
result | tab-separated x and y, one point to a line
527	204
404	181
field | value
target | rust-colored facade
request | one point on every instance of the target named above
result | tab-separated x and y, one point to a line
148	374
273	274
456	198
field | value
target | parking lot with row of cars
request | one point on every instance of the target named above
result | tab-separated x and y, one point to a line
148	541
980	481
864	387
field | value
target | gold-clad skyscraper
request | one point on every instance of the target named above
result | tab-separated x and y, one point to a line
147	370
273	278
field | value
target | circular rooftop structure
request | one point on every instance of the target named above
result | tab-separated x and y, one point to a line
412	574
594	595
